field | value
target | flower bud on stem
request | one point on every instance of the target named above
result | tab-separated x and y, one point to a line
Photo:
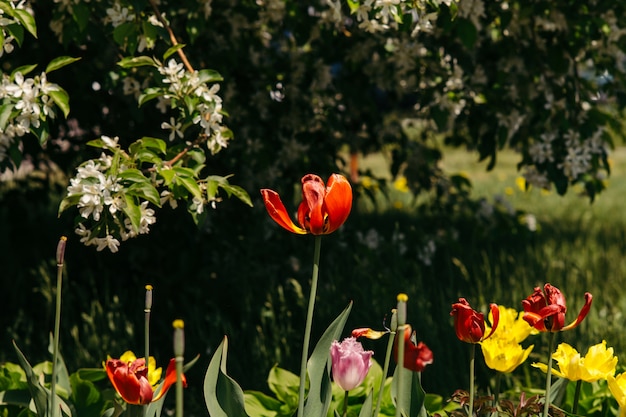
179	352
60	258
401	323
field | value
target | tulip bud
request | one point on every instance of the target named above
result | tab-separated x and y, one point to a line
60	256
350	363
179	338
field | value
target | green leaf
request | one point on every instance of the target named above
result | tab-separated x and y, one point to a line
209	76
132	211
20	398
27	20
184	176
238	192
17	32
85	396
5	114
154	143
318	366
60	62
223	396
63	376
37	391
366	410
80	14
413	393
149	94
68	202
259	404
172	50
215	181
91	374
145	191
61	99
24	70
285	385
137	61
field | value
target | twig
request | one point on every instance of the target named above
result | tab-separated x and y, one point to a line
167	27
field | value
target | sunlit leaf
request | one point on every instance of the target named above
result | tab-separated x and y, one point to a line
60	62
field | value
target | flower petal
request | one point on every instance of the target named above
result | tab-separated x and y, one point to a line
495	314
170	379
277	211
313	194
133	387
583	312
338	201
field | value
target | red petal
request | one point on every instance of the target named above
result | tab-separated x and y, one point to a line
170	379
313	194
133	389
338	201
495	314
583	312
277	211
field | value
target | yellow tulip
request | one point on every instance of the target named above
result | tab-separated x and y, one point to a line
617	386
503	355
512	327
598	363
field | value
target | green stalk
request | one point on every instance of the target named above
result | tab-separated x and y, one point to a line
471	393
400	373
309	322
385	371
401	320
576	396
179	352
345	404
496	395
60	256
147	310
549	374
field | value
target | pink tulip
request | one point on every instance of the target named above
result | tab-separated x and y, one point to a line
350	363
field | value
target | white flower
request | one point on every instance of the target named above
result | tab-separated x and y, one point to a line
118	15
173	72
168	197
107	242
174	127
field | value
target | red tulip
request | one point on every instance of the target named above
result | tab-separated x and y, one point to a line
545	310
323	209
416	355
470	324
130	380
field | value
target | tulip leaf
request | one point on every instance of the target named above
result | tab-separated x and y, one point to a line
223	396
318	366
413	393
63	376
37	391
366	410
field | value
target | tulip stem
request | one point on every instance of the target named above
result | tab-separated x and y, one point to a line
400	372
471	387
57	326
385	371
345	404
309	322
576	396
549	374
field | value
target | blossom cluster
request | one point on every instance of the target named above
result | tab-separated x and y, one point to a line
30	103
104	199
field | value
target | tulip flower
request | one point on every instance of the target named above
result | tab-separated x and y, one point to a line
617	386
323	210
350	363
503	355
368	333
545	310
599	363
470	324
130	380
416	355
